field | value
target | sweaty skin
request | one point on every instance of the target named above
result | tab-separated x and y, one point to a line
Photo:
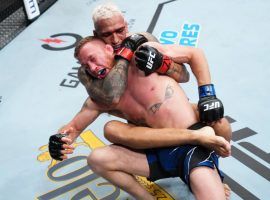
153	104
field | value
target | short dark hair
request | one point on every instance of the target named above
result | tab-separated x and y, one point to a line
81	43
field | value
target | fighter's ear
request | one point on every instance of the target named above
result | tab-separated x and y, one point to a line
109	48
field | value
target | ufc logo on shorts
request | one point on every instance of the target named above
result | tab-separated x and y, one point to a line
150	62
211	106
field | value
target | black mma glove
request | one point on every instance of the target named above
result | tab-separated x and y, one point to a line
129	45
149	60
210	108
56	145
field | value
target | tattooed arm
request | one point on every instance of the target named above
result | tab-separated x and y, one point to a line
178	72
106	91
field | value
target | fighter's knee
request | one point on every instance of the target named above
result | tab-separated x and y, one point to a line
210	189
226	124
92	159
112	132
97	159
223	128
109	127
109	131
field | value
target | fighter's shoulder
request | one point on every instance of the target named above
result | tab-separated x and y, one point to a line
149	36
158	46
92	105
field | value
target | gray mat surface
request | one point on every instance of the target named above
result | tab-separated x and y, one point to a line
39	92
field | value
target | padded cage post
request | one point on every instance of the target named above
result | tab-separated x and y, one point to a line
15	17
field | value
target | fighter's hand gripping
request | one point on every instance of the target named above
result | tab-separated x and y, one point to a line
149	60
60	145
129	45
56	146
210	107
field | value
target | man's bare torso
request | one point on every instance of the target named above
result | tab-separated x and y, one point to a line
155	100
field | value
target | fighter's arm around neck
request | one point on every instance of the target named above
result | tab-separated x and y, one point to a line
190	55
109	90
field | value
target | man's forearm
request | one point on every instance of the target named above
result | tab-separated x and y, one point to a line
197	62
143	137
116	81
200	68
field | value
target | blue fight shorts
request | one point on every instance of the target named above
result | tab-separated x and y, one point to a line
179	161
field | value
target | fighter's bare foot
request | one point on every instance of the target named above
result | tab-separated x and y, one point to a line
209	140
227	191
